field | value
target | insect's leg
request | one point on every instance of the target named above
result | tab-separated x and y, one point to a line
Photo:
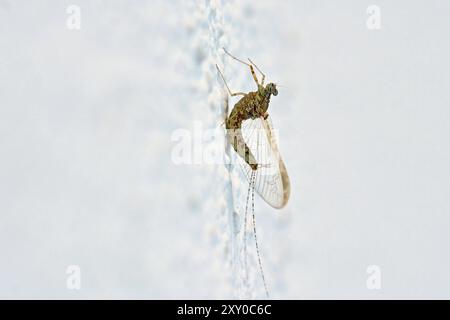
247	64
226	85
262	74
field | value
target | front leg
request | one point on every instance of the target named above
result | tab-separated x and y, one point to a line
262	74
226	85
250	65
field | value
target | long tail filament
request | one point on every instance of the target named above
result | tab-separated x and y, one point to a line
251	187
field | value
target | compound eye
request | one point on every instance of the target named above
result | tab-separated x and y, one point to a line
274	91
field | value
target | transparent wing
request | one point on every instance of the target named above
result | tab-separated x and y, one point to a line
272	181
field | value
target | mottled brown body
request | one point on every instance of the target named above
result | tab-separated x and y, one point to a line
253	105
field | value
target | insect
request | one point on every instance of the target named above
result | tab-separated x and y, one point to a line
251	134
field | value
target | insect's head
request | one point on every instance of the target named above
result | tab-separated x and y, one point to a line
272	88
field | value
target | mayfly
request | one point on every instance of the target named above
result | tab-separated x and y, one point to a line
250	133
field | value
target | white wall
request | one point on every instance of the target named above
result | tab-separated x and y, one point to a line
86	175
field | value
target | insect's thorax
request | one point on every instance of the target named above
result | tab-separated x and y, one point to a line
251	106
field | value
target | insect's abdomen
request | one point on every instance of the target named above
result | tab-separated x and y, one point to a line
236	139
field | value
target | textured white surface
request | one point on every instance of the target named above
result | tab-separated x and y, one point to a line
86	175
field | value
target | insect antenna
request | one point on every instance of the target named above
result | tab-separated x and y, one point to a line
280	85
253	179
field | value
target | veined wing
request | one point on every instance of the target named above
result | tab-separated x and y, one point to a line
272	181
